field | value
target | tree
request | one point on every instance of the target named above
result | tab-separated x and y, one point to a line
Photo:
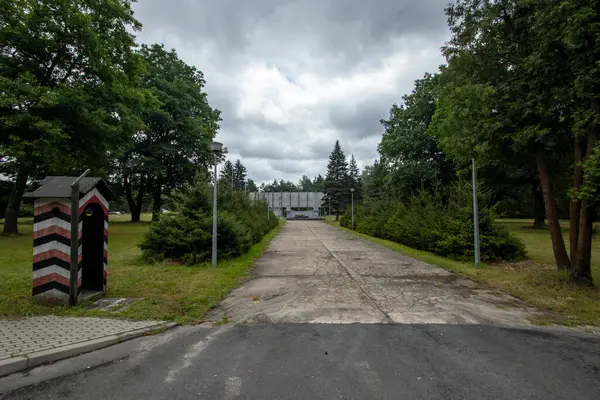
68	94
319	183
285	186
281	186
251	186
490	55
239	175
305	184
526	81
337	191
175	142
413	153
227	176
355	179
374	181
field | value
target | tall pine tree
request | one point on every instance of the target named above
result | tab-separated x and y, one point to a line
355	179
227	176
337	191
239	175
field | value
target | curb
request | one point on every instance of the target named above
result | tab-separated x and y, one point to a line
20	363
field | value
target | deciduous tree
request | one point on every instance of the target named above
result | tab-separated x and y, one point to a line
175	141
68	94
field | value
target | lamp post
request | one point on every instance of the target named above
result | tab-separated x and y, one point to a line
216	148
352	194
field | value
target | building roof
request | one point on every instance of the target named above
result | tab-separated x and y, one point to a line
60	187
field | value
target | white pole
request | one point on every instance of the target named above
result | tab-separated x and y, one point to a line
214	235
476	217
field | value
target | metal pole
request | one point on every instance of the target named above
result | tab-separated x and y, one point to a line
476	216
74	267
352	209
214	233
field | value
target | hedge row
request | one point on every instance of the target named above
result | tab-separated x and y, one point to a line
186	234
440	223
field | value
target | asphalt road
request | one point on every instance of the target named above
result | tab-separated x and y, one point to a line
330	316
350	361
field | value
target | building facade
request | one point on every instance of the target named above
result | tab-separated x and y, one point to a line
293	204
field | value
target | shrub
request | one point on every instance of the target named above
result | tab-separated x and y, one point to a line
186	234
496	242
440	221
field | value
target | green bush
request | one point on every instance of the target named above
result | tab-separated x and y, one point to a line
496	242
441	222
186	234
26	210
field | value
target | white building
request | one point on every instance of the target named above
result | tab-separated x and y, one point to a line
292	204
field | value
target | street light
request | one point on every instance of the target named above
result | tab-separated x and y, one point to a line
216	148
352	192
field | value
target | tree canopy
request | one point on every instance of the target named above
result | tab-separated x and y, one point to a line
69	94
520	94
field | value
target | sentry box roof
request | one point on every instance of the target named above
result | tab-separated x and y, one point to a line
60	187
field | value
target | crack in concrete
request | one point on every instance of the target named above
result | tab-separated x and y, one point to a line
363	290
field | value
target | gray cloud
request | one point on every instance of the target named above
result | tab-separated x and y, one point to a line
291	77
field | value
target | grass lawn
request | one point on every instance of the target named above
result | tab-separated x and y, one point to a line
535	280
169	292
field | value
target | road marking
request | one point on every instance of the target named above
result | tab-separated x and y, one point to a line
194	351
233	387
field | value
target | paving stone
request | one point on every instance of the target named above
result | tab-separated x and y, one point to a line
39	337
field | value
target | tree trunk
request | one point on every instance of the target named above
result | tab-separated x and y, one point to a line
575	206
135	214
582	271
138	204
558	245
539	215
11	219
156	200
135	205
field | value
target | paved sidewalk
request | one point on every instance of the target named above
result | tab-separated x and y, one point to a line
30	341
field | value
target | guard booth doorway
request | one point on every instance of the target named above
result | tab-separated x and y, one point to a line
92	249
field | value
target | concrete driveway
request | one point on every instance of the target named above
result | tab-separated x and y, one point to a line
315	273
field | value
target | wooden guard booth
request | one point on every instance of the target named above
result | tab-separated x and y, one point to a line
55	262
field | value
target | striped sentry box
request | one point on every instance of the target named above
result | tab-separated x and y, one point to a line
52	240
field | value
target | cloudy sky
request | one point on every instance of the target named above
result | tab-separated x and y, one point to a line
292	76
